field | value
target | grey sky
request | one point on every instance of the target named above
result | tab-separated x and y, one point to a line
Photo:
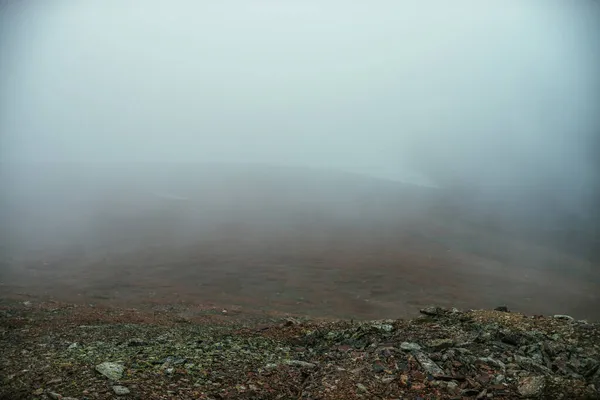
496	91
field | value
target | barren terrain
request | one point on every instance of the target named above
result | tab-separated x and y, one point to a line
294	241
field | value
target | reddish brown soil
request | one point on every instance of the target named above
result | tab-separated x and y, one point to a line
330	272
272	240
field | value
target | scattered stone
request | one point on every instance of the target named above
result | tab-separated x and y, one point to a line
362	388
531	386
378	367
298	363
173	360
409	346
431	311
512	339
383	327
120	390
428	365
27	303
564	317
111	370
136	342
478	354
441	344
291	321
492	362
73	346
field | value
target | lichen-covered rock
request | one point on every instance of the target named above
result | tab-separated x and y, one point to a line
531	386
120	390
298	363
440	344
111	370
408	346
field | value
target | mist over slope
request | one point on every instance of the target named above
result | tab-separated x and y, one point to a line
83	197
180	203
297	239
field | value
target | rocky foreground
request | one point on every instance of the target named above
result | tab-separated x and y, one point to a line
58	351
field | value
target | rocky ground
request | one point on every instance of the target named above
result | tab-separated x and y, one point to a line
64	351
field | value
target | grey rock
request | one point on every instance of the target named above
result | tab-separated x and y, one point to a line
564	317
383	327
531	386
452	386
173	360
120	390
428	365
291	321
56	396
531	365
378	367
432	311
136	342
492	362
298	363
441	344
111	370
409	346
502	309
484	337
362	388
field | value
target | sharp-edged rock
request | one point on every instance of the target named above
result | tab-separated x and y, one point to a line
428	365
409	346
564	317
432	311
120	390
111	370
302	364
531	386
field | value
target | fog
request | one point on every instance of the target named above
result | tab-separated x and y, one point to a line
500	92
116	117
